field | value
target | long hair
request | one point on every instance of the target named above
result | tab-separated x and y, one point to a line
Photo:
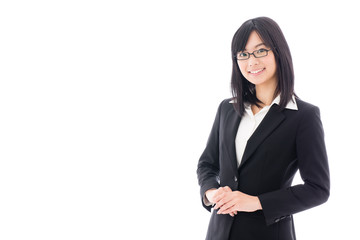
272	36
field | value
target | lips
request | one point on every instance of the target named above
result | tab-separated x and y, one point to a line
256	71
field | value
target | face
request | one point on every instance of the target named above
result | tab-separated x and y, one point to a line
258	71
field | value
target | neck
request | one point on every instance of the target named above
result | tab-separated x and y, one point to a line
266	93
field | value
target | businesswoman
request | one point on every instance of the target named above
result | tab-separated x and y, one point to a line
260	138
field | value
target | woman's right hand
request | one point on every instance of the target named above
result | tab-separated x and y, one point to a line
211	194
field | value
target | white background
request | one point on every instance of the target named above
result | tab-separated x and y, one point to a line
106	106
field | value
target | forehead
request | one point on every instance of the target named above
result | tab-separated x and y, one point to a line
254	41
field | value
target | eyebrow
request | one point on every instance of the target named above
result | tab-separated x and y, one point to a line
260	44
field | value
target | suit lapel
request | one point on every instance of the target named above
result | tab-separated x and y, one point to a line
271	121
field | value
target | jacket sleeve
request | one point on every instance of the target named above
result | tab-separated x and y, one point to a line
208	165
314	171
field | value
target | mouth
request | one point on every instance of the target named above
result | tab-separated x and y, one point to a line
256	71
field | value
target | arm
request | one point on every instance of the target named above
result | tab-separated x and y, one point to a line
314	170
208	166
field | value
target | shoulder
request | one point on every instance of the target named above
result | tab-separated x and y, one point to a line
227	105
305	106
309	114
306	112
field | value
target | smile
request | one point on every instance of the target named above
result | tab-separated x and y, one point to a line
257	71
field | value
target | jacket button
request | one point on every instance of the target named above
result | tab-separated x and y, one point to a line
235	179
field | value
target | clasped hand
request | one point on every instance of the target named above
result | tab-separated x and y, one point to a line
231	202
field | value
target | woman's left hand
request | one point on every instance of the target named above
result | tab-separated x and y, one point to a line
233	201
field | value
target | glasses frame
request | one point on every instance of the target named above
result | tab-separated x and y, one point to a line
253	53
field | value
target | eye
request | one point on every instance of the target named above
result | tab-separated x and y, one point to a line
262	50
241	55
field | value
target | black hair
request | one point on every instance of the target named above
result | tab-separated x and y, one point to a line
272	36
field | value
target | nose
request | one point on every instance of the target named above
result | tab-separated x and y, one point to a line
253	60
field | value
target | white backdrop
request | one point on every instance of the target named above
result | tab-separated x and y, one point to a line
106	106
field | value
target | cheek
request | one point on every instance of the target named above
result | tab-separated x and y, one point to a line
272	68
242	68
271	64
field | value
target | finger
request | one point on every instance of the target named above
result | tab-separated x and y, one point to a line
229	210
226	193
227	207
220	203
217	192
219	197
233	214
220	193
223	199
216	196
221	190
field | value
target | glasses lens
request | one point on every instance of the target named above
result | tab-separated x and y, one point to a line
242	55
261	53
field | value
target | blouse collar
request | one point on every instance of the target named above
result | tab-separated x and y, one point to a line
290	105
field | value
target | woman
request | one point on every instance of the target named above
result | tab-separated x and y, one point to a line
259	139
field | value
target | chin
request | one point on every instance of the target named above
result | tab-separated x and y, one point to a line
258	82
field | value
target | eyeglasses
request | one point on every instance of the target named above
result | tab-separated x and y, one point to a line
257	53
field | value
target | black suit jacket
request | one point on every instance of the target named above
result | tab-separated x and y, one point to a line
284	142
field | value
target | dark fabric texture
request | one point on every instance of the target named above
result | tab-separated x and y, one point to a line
286	141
